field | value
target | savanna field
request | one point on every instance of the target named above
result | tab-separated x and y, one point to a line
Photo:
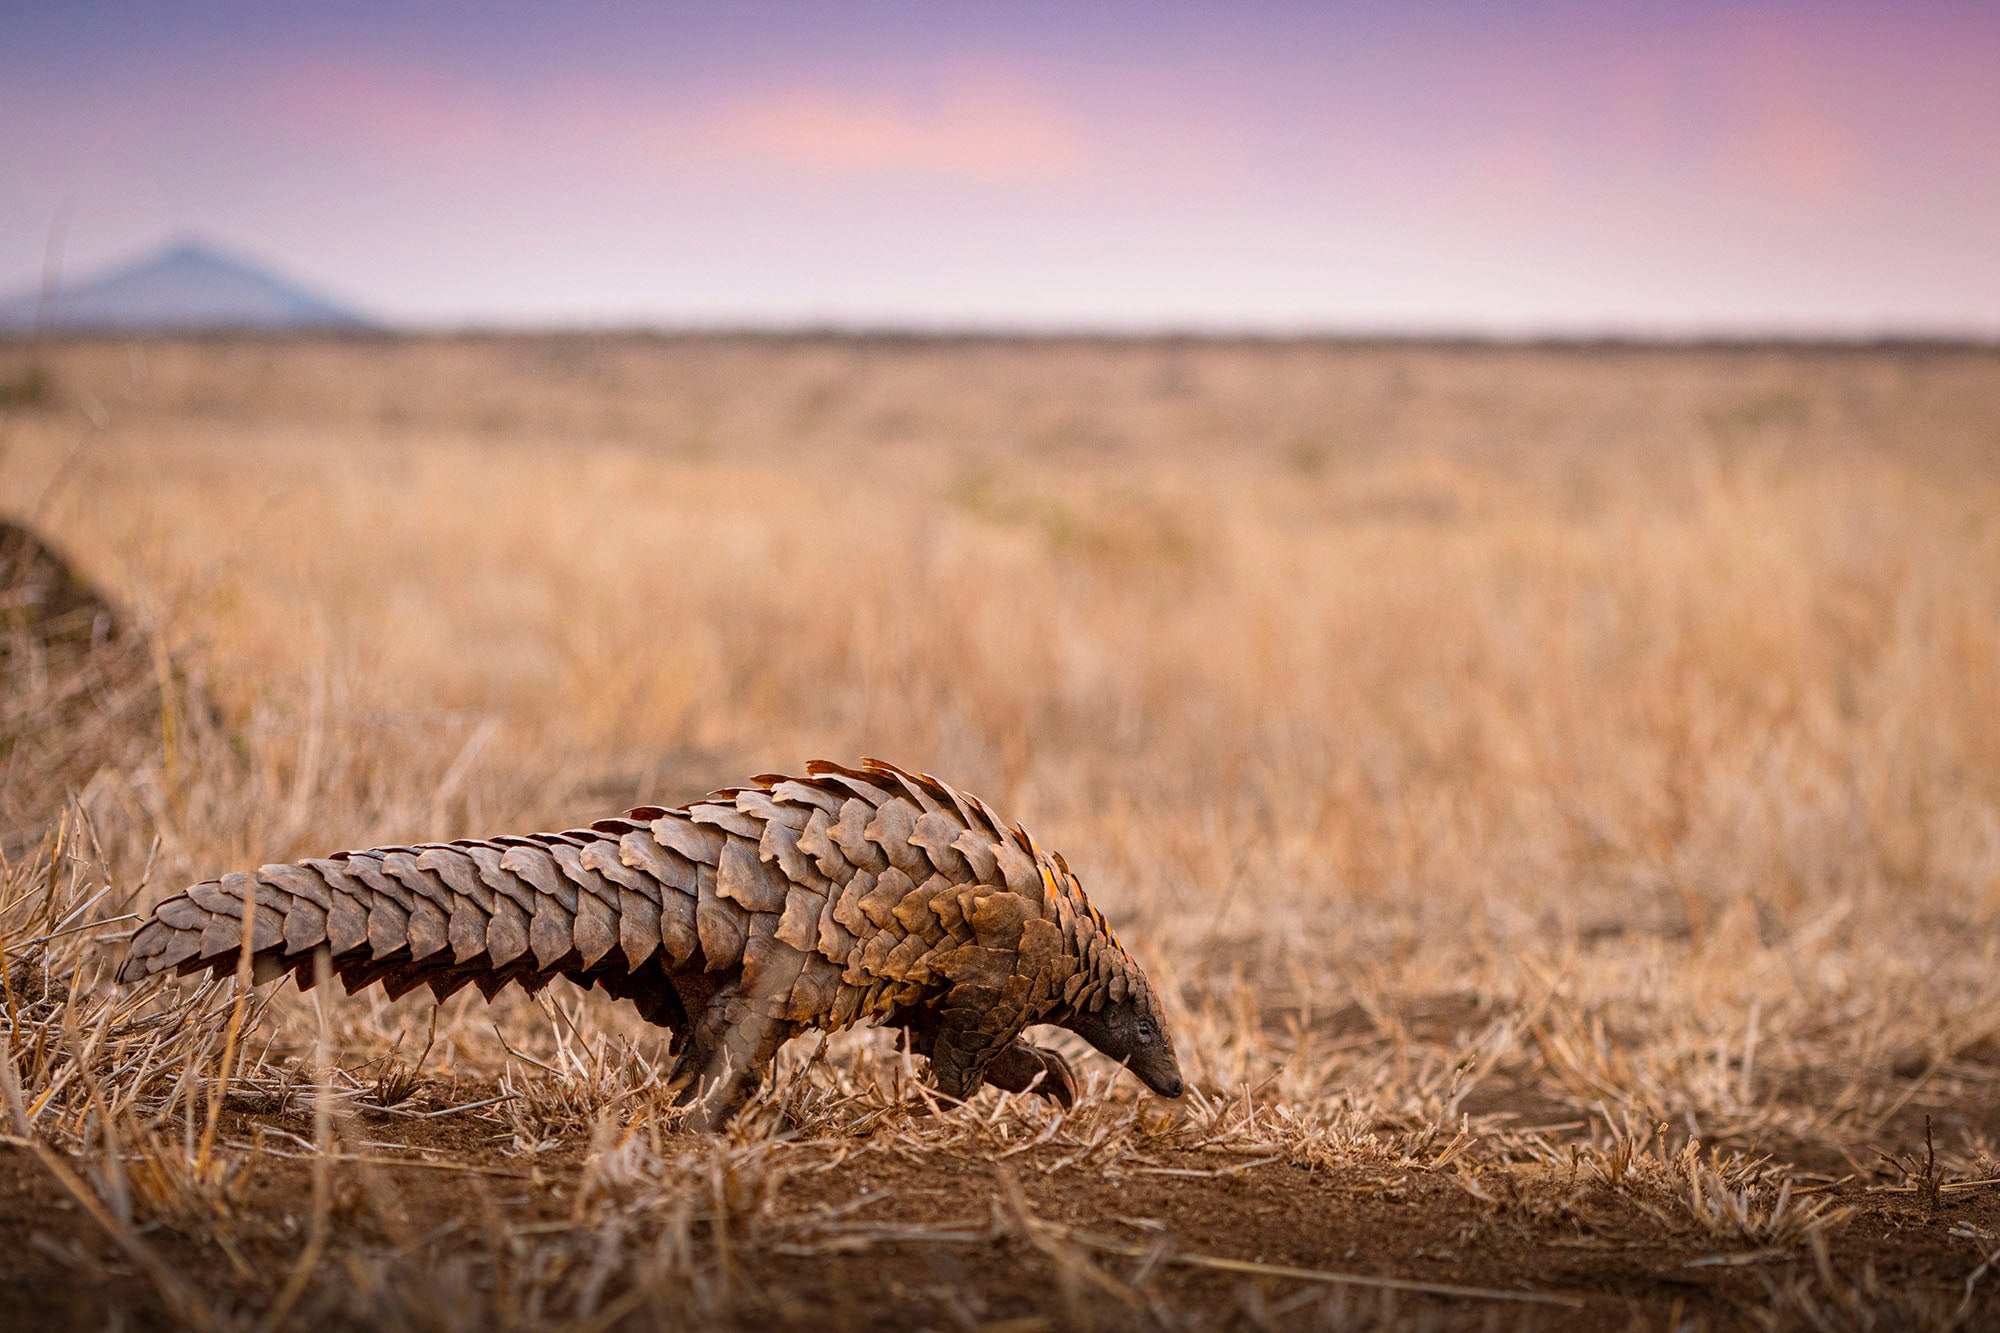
1556	790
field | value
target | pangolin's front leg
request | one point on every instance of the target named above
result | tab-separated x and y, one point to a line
1019	1066
1025	1067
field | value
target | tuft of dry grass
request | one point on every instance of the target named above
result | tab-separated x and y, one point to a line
1557	792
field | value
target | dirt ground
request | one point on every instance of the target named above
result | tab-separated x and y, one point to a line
862	1233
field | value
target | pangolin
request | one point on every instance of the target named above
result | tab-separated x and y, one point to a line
736	921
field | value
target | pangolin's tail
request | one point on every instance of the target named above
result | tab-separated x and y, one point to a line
608	904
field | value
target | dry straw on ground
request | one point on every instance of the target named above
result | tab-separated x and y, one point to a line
1559	792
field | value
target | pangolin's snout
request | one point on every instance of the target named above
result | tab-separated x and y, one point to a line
1162	1076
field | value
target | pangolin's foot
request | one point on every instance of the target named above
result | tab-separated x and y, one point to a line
1023	1067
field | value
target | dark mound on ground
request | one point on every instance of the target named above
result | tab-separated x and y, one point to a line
45	605
83	689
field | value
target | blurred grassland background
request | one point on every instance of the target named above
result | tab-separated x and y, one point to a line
1643	688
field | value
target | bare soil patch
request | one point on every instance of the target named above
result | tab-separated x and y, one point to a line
872	1233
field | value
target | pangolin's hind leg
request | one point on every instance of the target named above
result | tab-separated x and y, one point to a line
697	1045
650	990
730	1046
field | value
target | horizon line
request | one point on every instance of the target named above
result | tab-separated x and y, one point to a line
892	331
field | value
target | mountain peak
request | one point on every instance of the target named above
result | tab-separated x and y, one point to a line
188	284
191	247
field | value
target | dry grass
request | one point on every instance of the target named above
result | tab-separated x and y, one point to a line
1558	792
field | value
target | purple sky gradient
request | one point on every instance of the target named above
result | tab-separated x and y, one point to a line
1616	166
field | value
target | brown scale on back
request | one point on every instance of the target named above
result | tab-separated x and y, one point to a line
737	922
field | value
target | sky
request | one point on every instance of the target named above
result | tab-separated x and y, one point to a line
1620	166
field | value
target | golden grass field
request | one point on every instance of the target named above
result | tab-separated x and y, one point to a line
1557	791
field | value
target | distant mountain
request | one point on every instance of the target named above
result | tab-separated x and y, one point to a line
186	286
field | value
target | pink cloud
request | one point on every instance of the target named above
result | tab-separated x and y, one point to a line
979	133
1787	140
1800	152
397	116
1803	110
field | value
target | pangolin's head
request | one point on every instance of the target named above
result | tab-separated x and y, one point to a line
1133	1031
